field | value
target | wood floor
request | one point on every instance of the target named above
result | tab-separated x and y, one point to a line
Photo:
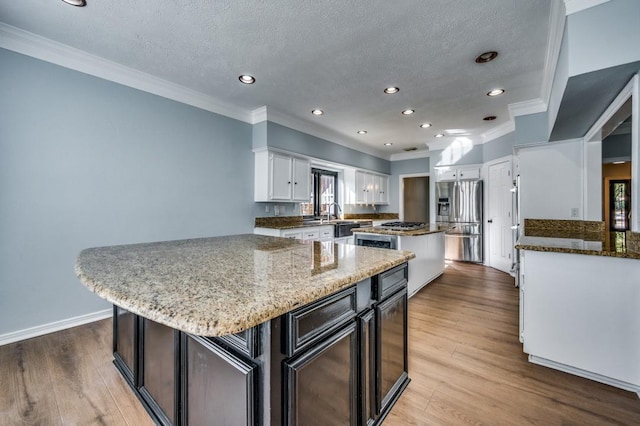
465	362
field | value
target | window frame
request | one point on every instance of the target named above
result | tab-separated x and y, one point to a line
316	174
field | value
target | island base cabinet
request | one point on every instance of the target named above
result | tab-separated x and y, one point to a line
159	370
368	403
321	383
125	339
391	317
219	387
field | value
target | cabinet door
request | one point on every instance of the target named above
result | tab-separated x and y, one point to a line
321	383
159	375
364	188
447	174
280	175
301	180
367	335
469	173
125	342
391	318
220	388
381	188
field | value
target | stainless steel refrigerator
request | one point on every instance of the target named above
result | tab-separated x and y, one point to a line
460	206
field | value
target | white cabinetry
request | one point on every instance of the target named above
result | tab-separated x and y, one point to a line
370	188
307	233
457	173
281	177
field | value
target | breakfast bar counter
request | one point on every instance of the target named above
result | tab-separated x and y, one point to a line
245	329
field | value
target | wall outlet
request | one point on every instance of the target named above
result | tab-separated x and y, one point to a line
276	210
575	212
266	208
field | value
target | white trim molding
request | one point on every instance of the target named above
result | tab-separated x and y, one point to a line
556	32
410	155
584	373
532	106
498	131
26	43
51	327
575	6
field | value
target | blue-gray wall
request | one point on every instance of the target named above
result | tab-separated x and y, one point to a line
403	167
85	162
616	147
531	128
498	148
285	138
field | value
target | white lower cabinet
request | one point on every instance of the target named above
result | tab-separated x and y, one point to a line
580	315
307	233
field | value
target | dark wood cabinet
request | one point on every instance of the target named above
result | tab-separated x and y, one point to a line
219	387
391	319
125	344
321	383
159	370
341	360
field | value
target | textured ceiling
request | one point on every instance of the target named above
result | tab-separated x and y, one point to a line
337	56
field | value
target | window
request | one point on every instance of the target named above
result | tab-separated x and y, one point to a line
324	191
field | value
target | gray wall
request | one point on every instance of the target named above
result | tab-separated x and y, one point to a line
498	148
85	162
403	167
531	128
285	138
616	146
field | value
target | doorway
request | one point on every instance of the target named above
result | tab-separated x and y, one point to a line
500	199
415	199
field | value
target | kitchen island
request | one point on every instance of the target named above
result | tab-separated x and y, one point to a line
580	300
427	243
250	329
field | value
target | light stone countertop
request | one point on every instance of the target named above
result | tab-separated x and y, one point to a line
223	285
574	246
431	228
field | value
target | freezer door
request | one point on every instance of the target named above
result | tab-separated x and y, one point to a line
463	247
469	207
444	200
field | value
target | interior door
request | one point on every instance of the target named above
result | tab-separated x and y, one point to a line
415	199
499	216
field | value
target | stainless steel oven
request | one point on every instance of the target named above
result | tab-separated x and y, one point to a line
376	240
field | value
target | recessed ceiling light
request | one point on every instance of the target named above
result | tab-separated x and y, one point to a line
391	90
361	132
490	118
425	125
486	57
408	111
317	112
79	3
439	135
388	144
495	92
245	78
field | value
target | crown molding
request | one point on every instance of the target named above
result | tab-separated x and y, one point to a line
26	43
274	116
498	131
531	106
574	6
557	21
411	155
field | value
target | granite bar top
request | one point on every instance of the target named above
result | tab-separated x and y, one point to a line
578	237
223	285
290	222
431	228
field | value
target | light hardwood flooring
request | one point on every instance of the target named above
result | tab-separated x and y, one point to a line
465	362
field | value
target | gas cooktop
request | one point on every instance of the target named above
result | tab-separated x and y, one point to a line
403	226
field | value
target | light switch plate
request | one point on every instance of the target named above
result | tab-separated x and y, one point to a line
574	212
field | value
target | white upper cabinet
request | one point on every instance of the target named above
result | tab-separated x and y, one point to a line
281	177
457	173
370	188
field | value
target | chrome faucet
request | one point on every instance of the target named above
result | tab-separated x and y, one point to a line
329	211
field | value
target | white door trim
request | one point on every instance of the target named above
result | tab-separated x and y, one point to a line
401	193
485	227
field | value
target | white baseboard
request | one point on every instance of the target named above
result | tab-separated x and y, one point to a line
40	330
584	373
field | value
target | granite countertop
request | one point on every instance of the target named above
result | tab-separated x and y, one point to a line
431	228
223	285
332	222
611	247
290	222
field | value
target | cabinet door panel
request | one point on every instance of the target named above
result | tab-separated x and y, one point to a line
321	383
220	387
367	328
301	180
280	175
391	317
125	340
159	384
